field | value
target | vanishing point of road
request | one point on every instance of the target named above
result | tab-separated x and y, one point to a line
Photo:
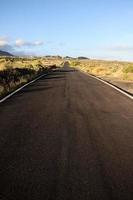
67	136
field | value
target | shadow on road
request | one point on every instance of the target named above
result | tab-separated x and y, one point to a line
42	84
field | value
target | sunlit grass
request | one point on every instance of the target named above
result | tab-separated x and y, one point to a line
15	71
113	69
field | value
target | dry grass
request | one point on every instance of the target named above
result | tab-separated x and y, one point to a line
7	62
111	69
15	71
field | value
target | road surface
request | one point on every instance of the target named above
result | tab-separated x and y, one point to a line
66	137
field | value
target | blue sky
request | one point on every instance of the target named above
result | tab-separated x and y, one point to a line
100	29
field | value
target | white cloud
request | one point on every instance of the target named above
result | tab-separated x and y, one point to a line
25	53
3	41
38	43
7	47
19	47
21	43
121	48
5	44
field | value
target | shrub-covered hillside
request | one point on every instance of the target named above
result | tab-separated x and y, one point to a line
15	71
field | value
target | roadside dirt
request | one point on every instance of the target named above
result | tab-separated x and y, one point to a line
125	85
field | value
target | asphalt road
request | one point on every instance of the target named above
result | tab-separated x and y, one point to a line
66	137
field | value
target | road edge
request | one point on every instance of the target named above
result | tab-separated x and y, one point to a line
111	85
20	88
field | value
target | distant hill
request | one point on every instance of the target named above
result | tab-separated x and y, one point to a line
4	53
68	57
83	58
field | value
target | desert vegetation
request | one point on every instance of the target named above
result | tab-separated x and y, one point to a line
118	73
112	69
15	71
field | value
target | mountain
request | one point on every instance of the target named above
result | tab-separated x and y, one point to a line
68	57
83	58
4	53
